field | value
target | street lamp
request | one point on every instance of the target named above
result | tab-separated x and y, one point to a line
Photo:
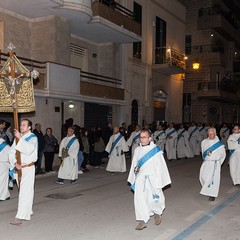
196	65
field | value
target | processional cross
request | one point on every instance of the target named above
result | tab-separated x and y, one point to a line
16	92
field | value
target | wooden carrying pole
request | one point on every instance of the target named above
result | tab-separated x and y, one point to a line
15	118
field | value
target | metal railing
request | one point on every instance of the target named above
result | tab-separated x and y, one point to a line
117	7
173	57
216	10
34	64
205	49
224	85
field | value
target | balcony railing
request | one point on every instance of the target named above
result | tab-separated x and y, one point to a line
171	56
42	67
117	7
216	10
205	49
224	85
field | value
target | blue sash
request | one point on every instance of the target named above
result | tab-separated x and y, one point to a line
200	129
115	143
145	158
180	134
160	134
135	138
192	132
231	151
70	142
170	133
3	145
212	148
225	131
30	137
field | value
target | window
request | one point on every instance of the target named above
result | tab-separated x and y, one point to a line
188	44
161	34
137	46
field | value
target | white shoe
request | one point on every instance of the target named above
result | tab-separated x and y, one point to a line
97	167
80	172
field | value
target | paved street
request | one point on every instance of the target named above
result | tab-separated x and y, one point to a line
100	207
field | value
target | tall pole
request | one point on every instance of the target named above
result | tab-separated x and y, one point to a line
15	116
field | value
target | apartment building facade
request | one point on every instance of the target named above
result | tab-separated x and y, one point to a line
211	93
99	61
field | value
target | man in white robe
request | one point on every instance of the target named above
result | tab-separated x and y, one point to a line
4	170
171	142
116	148
134	139
149	179
234	161
214	153
224	135
159	137
183	147
27	146
68	152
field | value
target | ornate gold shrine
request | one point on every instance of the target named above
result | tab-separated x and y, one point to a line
23	86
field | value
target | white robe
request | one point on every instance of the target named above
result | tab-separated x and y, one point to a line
194	142
28	153
183	147
117	161
159	137
4	170
234	162
134	144
224	136
171	144
152	177
69	167
211	168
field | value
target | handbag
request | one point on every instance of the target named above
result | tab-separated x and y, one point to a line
56	148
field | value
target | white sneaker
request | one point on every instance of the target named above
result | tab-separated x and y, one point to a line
97	167
80	172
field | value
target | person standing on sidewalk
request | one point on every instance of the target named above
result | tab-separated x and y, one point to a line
148	176
50	142
213	154
37	131
27	146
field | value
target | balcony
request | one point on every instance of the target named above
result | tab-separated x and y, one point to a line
97	21
224	91
209	54
168	61
66	82
112	22
222	22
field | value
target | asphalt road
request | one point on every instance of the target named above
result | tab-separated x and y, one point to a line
100	207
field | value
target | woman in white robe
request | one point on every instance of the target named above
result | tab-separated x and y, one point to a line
159	137
193	139
4	170
234	162
117	160
171	143
134	139
183	147
210	170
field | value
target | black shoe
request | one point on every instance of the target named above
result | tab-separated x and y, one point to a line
73	181
6	199
211	199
